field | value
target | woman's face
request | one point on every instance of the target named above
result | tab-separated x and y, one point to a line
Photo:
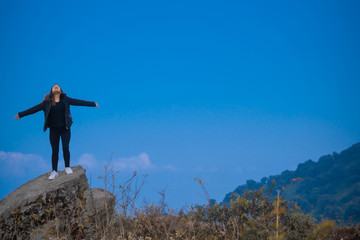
56	89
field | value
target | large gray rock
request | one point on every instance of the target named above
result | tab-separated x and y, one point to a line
64	207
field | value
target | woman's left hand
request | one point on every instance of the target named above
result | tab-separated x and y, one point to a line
96	104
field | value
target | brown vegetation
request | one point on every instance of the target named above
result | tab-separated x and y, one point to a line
252	215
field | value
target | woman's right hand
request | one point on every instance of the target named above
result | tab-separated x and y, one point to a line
17	117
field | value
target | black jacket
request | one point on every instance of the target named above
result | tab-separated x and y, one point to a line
46	105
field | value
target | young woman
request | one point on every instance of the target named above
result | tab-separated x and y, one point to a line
56	107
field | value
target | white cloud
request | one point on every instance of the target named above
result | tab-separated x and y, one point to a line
19	164
170	167
142	161
133	163
87	160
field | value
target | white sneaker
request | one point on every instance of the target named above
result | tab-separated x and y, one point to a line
68	170
53	175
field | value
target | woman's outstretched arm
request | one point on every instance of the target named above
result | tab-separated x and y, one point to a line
29	111
78	102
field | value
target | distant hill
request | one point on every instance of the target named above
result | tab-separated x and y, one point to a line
329	188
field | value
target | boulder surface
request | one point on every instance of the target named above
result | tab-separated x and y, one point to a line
65	206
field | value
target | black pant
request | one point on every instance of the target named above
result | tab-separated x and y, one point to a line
55	134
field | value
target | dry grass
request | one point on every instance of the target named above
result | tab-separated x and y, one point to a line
253	215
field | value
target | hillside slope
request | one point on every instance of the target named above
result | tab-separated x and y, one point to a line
329	188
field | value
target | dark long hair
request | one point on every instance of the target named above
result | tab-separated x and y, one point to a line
50	96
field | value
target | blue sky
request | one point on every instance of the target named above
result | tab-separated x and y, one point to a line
225	91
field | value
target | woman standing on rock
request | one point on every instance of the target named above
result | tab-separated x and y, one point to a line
56	107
